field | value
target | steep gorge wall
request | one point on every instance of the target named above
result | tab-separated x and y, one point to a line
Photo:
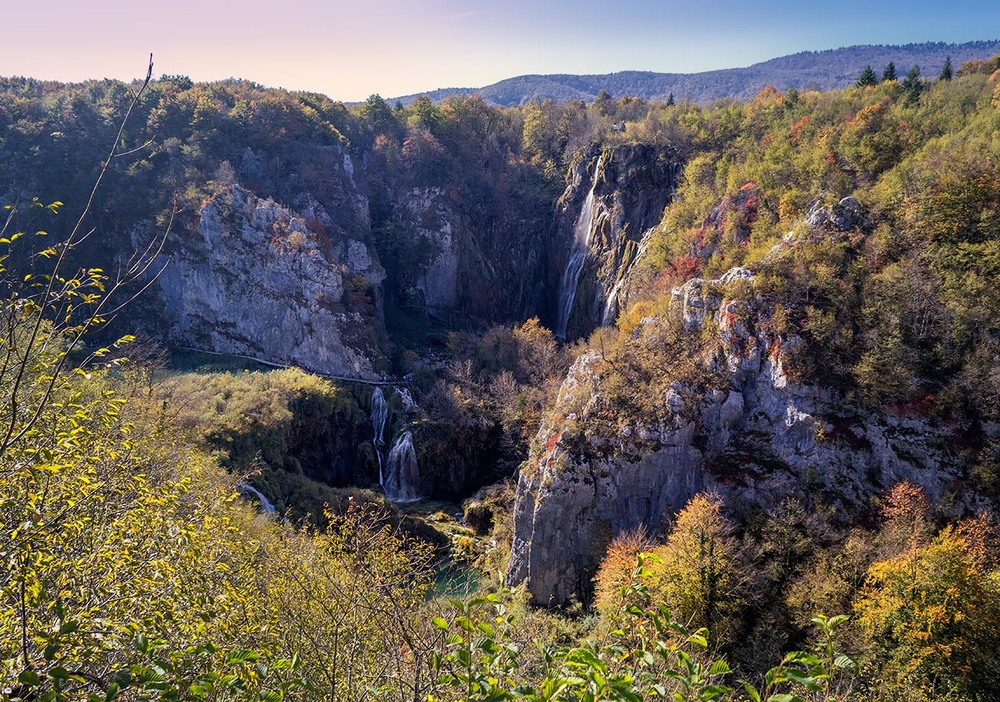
464	264
453	260
632	185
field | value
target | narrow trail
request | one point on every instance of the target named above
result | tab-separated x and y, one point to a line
383	382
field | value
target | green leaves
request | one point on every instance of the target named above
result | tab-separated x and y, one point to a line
29	678
805	671
845	663
477	660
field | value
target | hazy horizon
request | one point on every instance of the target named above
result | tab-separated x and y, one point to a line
349	51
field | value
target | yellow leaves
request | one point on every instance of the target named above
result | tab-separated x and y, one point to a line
121	528
928	603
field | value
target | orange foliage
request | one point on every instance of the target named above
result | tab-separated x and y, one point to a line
687	266
617	568
907	503
982	538
794	132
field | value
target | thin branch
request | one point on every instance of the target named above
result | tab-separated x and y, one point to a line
9	437
135	150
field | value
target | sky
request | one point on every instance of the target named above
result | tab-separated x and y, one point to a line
349	50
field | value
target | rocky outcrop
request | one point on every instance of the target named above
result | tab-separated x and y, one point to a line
631	187
842	216
567	511
754	435
255	278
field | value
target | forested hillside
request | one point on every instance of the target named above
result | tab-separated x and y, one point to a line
807	70
625	399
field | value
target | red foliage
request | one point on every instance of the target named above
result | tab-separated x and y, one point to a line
665	280
924	404
774	350
687	267
793	133
550	446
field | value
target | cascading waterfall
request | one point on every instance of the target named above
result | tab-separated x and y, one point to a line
611	304
380	413
265	504
401	481
574	266
406	398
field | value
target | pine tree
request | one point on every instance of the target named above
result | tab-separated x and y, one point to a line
946	71
889	74
913	86
867	78
670	100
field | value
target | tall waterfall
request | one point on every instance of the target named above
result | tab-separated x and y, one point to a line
380	413
401	482
578	255
265	504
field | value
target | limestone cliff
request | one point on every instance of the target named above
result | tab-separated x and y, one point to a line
751	432
432	255
466	263
253	277
628	189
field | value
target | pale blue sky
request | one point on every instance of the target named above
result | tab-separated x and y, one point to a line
351	49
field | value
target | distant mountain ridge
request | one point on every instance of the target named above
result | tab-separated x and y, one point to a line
806	70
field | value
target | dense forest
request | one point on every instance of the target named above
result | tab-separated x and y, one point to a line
846	242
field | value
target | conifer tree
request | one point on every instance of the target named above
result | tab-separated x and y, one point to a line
670	100
867	78
913	86
889	74
946	70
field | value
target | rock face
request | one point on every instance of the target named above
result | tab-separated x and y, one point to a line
432	267
462	262
755	436
566	512
255	278
842	216
631	187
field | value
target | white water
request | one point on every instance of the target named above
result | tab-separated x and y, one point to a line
611	305
582	231
380	413
401	482
265	504
406	398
